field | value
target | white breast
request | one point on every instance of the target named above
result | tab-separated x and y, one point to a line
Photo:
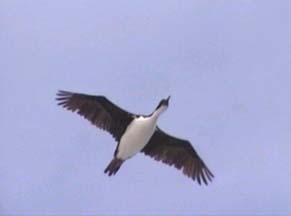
136	136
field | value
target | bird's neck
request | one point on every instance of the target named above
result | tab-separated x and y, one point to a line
156	114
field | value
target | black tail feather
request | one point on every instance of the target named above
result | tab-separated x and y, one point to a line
114	166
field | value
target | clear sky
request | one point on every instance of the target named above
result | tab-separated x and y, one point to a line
227	65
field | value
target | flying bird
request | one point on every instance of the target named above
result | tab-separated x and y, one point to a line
137	133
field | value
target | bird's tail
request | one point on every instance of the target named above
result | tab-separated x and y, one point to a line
114	166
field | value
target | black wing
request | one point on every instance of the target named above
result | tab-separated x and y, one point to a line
178	152
98	110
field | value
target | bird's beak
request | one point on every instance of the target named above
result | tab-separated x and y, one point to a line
168	98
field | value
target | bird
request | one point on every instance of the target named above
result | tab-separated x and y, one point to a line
136	133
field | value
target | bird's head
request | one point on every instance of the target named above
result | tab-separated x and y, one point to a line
163	105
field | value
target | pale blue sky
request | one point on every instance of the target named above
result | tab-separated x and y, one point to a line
227	65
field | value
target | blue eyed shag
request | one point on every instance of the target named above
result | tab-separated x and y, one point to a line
137	133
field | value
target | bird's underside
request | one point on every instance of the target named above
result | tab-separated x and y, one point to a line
162	147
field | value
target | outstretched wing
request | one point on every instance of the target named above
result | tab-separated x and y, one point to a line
180	153
98	110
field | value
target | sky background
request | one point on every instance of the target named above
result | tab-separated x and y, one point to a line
227	65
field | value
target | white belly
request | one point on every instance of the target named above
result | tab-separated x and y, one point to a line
136	136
